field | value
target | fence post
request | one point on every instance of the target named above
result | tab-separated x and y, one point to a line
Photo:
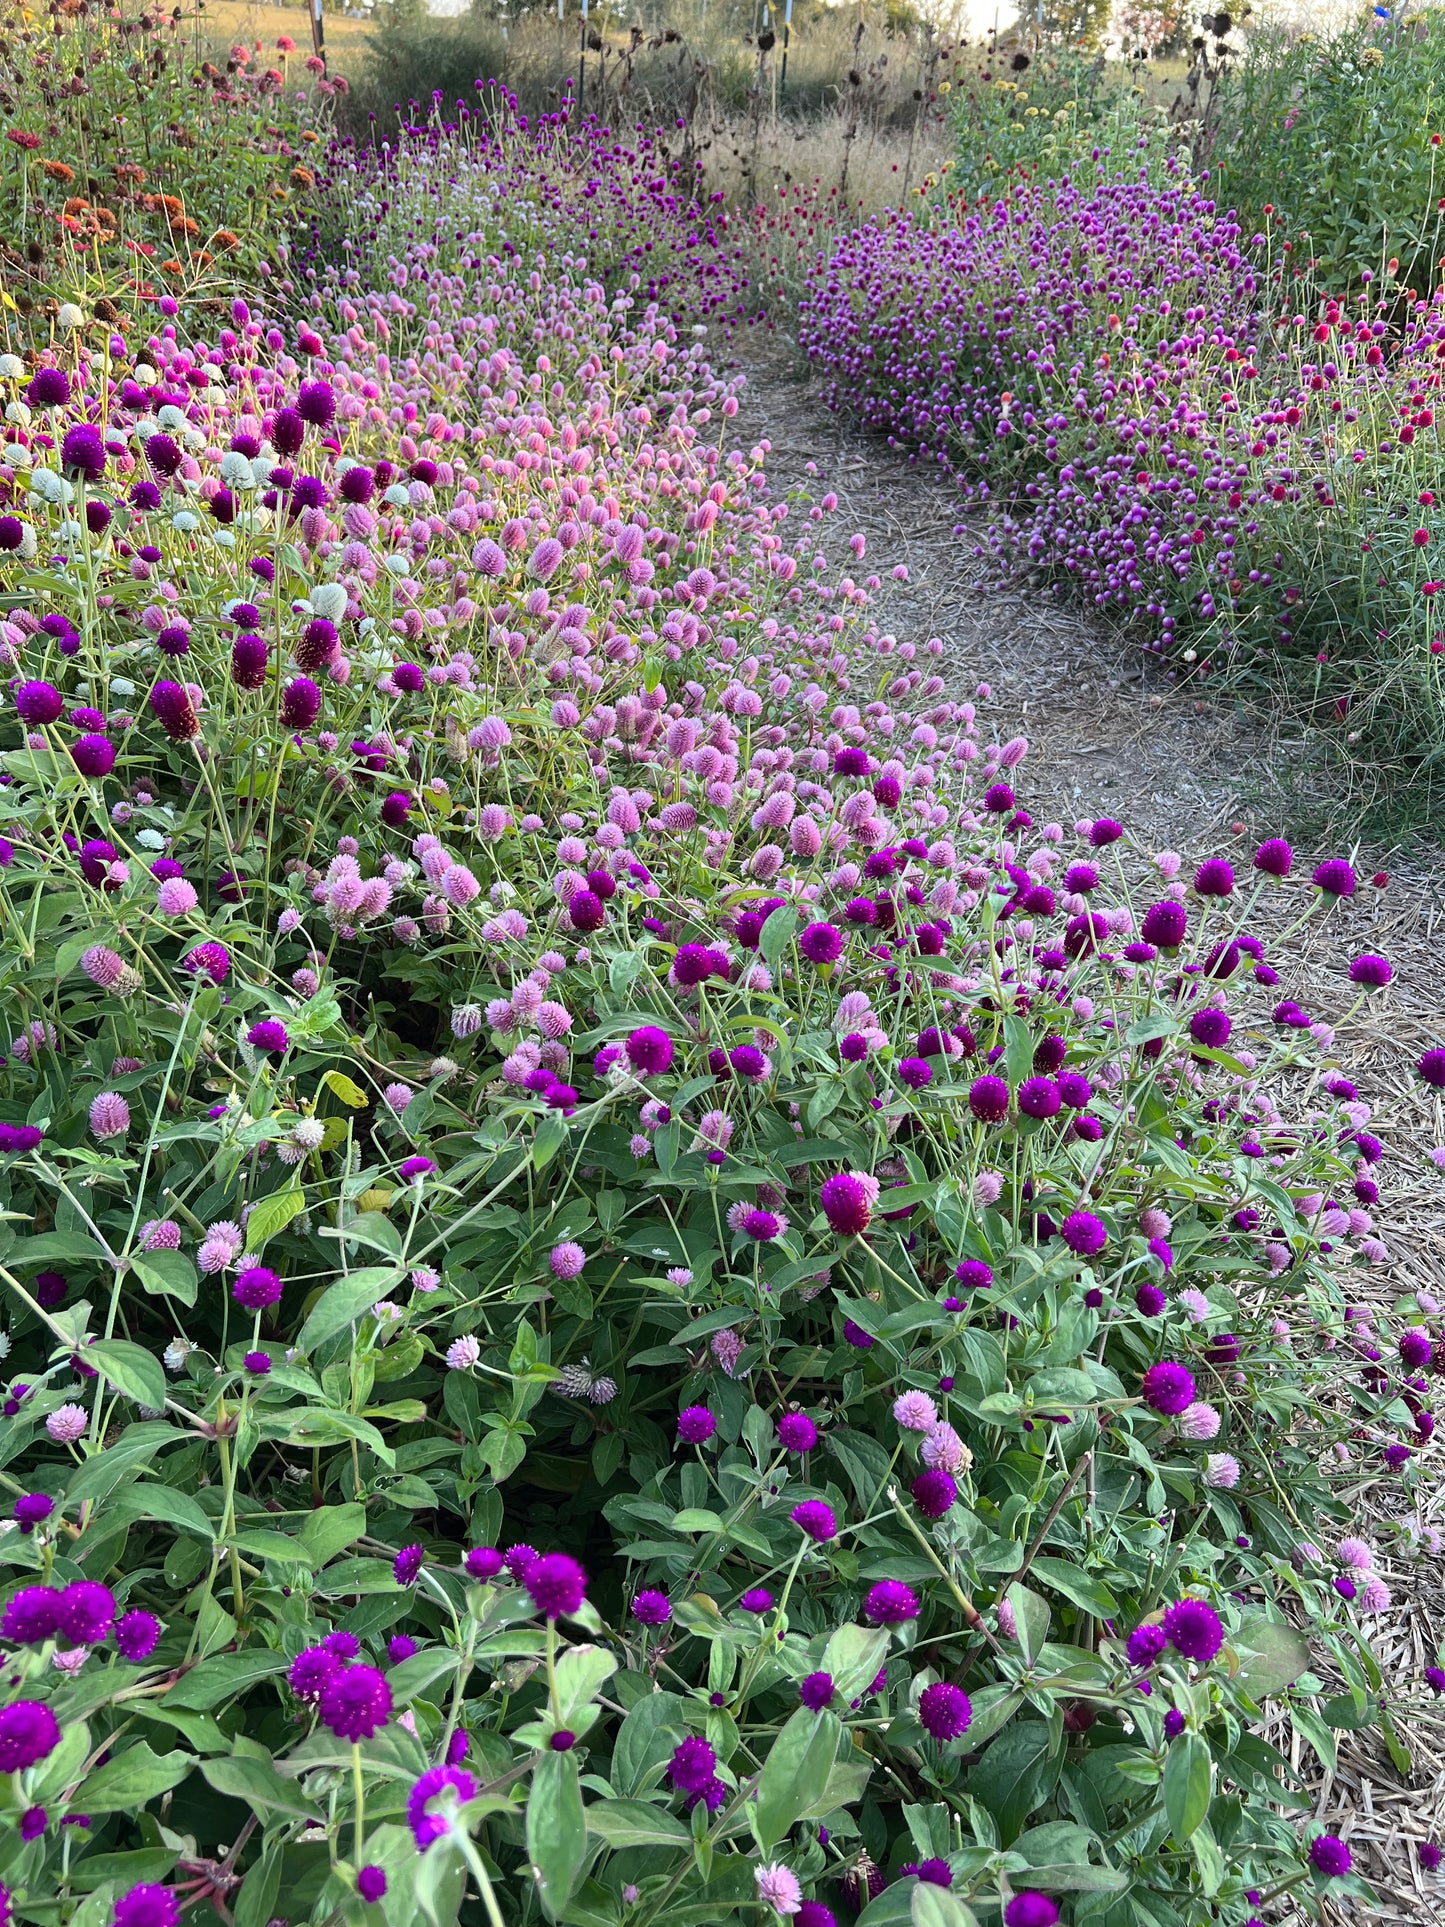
787	35
318	32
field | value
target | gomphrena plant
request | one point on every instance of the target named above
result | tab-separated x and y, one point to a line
631	1296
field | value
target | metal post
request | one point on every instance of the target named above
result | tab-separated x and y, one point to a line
582	63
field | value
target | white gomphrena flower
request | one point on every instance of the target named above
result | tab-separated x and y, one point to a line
70	317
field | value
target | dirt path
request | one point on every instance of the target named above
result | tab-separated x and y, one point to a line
1109	738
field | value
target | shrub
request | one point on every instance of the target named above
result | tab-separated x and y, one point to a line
628	1293
115	186
1179	429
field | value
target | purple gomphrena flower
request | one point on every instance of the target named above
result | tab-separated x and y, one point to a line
692	1765
148	1906
356	1702
33	1509
934	1492
256	1288
815	1518
1330	1856
269	1036
797	1432
649	1050
371	1885
650	1608
1193	1628
1431	1069
1214	878
821	943
1030	1909
82	452
695	1425
136	1634
311	1671
557	1584
39	703
300	703
1165	924
93	755
1145	1644
847	1199
1371	972
48	388
566	1260
944	1711
914	1073
401	1646
1082	1232
32	1824
816	1691
757	1599
813	1913
988	1099
890	1603
425	1825
1168	1387
87	1612
855	1336
28	1732
1335	877
209	960
1274	857
109	1116
407	1565
586	910
175	712
31	1617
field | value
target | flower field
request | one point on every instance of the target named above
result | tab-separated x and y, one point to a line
630	1296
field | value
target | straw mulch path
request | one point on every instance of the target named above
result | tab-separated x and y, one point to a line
1111	738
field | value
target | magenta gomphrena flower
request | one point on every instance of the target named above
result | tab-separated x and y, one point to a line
816	1519
109	1116
778	1888
813	1913
428	1826
1030	1909
268	1036
944	1711
848	1199
557	1584
649	1050
797	1432
136	1635
39	703
93	754
371	1885
1082	1232
209	960
1330	1856
1165	924
1431	1068
692	1765
915	1411
33	1509
821	943
816	1691
148	1906
483	1563
256	1287
988	1099
28	1732
175	712
87	1612
356	1702
311	1671
757	1599
1371	972
67	1423
567	1259
1168	1387
1214	877
695	1425
407	1565
1334	877
31	1616
934	1492
890	1603
1274	857
1194	1629
651	1608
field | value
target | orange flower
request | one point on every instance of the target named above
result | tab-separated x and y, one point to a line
302	177
171	267
225	240
58	171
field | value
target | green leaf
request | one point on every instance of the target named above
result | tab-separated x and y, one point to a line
552	1133
1077	1586
938	1907
1148	1028
1188	1779
166	1506
343	1303
129	1779
795	1772
633	1823
331	1529
777	934
256	1782
1031	1615
416	1674
1318	1734
696	1518
645	1739
853	1656
272	1214
556	1830
56	1248
340	1085
1272	1655
136	1446
167	1274
1016	1775
131	1369
581	1671
219	1679
257	1902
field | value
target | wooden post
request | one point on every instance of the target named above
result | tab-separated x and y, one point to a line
318	32
787	35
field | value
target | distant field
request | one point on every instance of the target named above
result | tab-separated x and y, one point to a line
225	21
